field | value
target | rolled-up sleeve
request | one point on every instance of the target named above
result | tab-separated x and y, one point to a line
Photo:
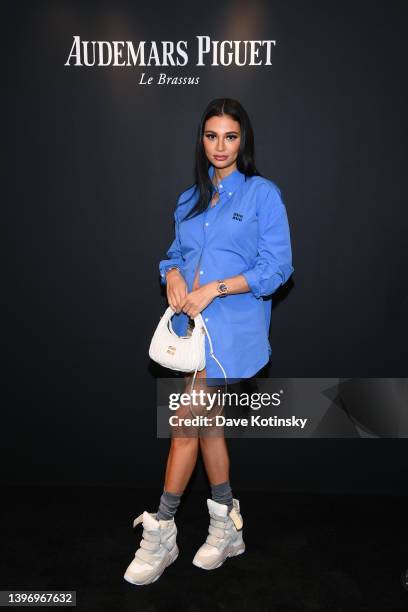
174	257
273	265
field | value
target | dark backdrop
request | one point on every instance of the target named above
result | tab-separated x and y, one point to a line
95	164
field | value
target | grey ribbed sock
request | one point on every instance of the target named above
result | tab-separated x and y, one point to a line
169	502
222	494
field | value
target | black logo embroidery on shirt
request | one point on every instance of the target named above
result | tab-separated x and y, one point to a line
237	216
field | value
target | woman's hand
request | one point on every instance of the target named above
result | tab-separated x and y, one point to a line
176	289
195	301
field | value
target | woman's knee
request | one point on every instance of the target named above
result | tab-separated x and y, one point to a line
209	436
184	442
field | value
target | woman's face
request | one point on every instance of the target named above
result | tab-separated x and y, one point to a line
221	140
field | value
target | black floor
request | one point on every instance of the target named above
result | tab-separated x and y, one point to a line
304	552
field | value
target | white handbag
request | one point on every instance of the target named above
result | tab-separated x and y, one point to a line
183	353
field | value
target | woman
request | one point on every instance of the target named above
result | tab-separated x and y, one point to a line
231	250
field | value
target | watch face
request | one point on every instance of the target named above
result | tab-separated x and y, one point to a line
222	287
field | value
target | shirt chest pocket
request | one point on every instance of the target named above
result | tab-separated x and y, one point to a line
241	227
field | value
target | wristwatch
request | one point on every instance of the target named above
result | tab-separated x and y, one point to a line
222	288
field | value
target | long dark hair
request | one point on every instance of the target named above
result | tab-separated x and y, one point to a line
245	160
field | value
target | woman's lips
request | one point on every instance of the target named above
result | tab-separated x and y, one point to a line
220	157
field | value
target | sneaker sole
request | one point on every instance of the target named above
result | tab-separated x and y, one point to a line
170	560
232	553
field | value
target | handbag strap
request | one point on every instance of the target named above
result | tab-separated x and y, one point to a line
199	319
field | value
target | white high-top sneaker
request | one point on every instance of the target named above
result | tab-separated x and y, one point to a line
158	549
224	538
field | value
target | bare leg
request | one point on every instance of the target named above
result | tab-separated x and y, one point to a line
183	451
181	462
216	459
214	449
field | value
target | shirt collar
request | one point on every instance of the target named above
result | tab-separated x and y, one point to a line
229	183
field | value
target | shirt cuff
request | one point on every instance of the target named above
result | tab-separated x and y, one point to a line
163	267
252	278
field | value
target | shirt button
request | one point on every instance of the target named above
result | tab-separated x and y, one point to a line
201	271
206	319
230	193
220	185
207	223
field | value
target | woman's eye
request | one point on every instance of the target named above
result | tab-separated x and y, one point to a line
229	137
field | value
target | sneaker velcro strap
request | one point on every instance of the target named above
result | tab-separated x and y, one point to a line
148	545
151	535
138	520
170	542
218	523
216	531
213	540
144	555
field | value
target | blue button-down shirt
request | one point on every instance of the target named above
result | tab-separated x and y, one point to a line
245	232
